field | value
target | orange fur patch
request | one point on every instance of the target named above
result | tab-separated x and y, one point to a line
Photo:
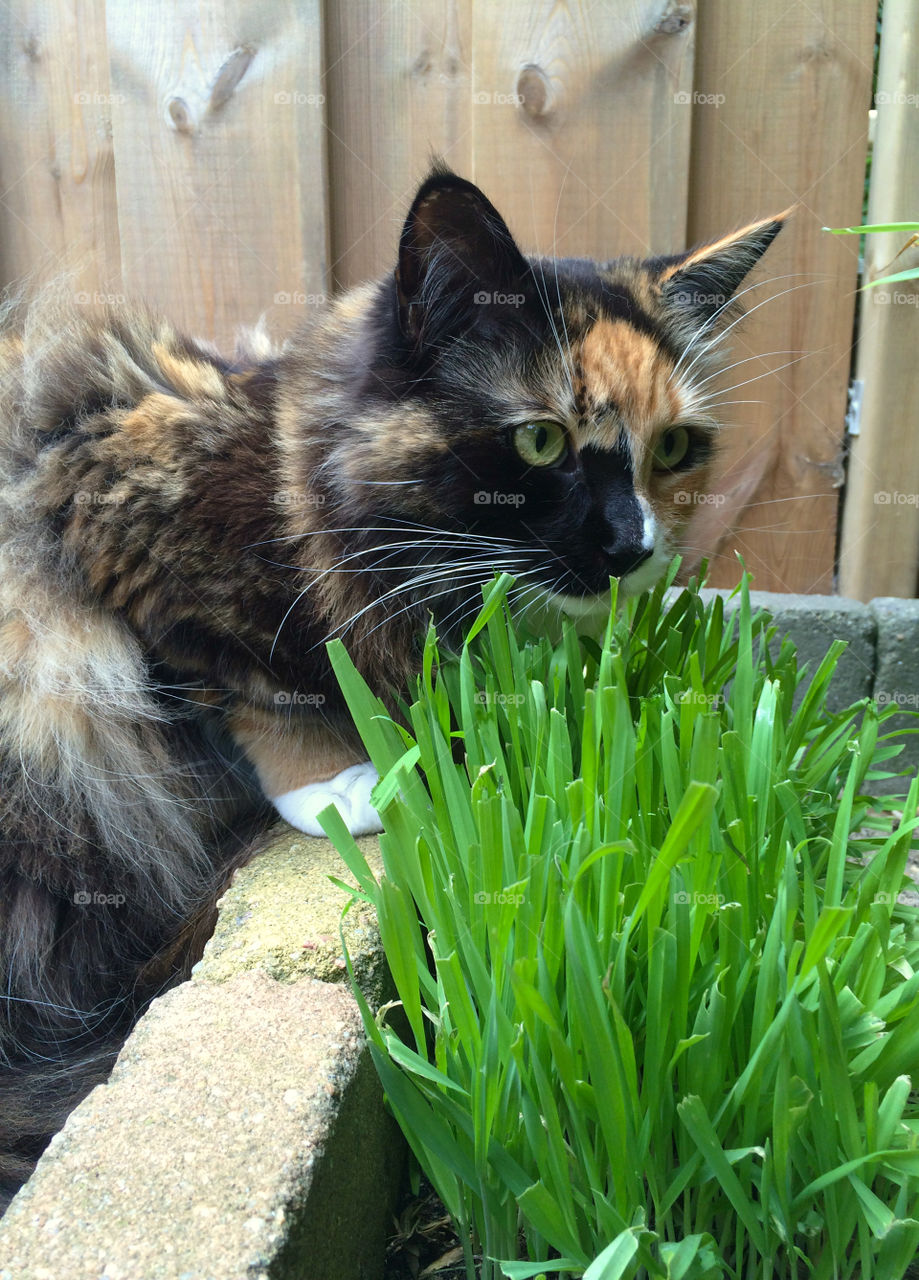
15	642
627	371
195	378
289	753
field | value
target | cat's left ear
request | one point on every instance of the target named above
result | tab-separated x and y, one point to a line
455	250
700	283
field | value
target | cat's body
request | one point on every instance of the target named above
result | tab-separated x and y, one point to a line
179	534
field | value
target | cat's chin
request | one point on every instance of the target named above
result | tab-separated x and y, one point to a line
632	584
647	575
581	608
592	611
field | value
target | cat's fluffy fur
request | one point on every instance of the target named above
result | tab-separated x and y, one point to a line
179	533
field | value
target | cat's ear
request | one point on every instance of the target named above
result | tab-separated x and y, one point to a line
455	250
699	284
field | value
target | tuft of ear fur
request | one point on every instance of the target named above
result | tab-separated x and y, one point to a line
454	246
700	283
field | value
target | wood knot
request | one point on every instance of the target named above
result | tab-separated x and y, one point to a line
229	76
675	18
534	92
422	64
180	116
818	50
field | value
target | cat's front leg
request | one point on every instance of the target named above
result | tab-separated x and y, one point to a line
349	791
306	763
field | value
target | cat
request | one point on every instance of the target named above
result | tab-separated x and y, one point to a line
180	533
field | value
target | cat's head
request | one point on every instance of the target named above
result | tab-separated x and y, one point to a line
548	417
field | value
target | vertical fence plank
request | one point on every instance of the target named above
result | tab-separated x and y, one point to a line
880	528
398	83
581	122
57	185
791	128
220	159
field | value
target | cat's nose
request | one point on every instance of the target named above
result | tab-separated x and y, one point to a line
623	556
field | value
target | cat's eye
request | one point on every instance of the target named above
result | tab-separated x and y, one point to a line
541	443
671	449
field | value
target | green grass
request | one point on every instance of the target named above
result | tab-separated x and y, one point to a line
657	998
902	228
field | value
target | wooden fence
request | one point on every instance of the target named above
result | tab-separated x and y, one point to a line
229	159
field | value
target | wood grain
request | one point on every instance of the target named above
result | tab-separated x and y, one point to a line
57	180
791	129
581	122
399	81
219	152
880	528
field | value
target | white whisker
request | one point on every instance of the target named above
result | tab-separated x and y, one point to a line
713	319
745	315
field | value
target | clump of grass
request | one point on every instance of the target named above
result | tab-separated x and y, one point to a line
658	1000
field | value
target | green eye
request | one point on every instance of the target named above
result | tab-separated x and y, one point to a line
671	449
541	443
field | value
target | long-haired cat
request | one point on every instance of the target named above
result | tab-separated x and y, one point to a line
180	533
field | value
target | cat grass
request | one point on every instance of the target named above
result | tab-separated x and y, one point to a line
657	980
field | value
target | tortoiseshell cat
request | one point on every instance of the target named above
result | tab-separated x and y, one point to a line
179	534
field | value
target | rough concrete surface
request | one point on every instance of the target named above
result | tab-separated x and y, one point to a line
283	915
896	681
229	1144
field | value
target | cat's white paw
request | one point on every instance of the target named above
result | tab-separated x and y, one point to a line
349	791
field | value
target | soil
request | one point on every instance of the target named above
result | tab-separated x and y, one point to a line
423	1245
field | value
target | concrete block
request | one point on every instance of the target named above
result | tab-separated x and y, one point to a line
240	1136
896	681
242	1132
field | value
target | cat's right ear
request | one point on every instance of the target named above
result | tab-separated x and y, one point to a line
455	249
700	283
